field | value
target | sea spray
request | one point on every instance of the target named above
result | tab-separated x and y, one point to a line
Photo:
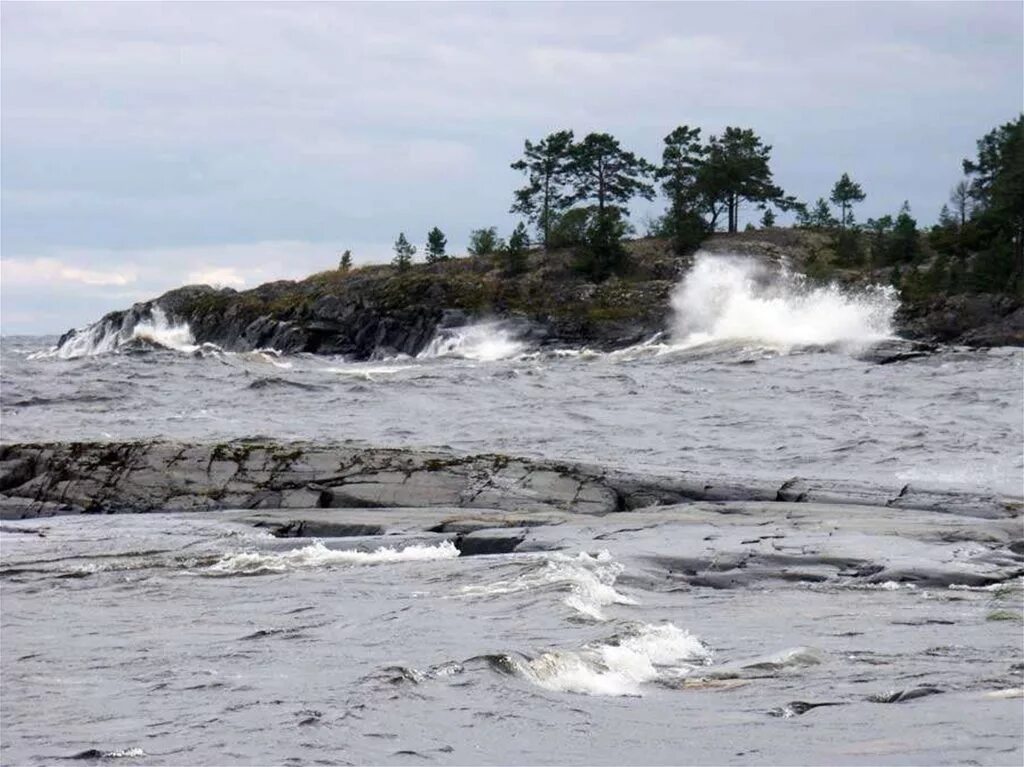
734	299
105	337
484	342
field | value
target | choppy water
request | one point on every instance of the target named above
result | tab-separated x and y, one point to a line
954	418
188	639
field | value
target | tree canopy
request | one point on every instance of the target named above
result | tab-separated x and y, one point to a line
436	243
404	252
844	194
547	165
606	173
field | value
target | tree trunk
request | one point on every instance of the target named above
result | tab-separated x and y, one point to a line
546	212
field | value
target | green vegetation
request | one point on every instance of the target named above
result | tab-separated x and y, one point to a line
976	246
436	243
844	194
585	273
403	253
484	242
515	253
547	166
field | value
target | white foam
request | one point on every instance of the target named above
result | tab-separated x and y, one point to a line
738	299
620	666
367	372
103	338
484	342
127	753
318	555
588	579
161	332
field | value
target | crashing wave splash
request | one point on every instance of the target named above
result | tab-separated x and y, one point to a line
619	666
104	338
734	299
317	554
484	342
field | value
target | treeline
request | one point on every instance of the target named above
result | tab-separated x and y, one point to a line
577	194
976	246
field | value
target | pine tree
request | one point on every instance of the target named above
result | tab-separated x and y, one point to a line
961	199
844	194
607	174
547	165
345	262
515	252
403	253
682	162
768	219
736	169
821	216
997	193
483	242
436	243
905	242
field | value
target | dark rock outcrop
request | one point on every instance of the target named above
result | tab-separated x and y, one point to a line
376	311
98	477
982	320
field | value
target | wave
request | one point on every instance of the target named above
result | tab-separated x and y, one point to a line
733	299
317	554
619	666
105	337
484	342
588	579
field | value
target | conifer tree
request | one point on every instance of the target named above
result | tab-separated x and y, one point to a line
547	167
436	243
345	262
404	252
607	174
844	194
515	252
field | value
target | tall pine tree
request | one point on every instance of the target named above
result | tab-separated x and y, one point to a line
547	167
844	194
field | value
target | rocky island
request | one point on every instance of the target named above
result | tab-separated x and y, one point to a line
380	311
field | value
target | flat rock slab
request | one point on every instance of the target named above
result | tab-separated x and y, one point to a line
715	545
108	477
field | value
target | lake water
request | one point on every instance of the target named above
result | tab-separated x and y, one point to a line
199	639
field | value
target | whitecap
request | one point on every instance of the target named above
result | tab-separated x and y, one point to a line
317	554
589	580
622	665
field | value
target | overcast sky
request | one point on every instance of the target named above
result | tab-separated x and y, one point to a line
147	145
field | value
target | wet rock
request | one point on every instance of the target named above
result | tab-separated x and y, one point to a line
896	350
16	472
103	477
489	542
980	320
902	696
798	708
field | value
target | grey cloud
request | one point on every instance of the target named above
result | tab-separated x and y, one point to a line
140	127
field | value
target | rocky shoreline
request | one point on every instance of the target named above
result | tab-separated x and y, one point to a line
377	311
736	533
